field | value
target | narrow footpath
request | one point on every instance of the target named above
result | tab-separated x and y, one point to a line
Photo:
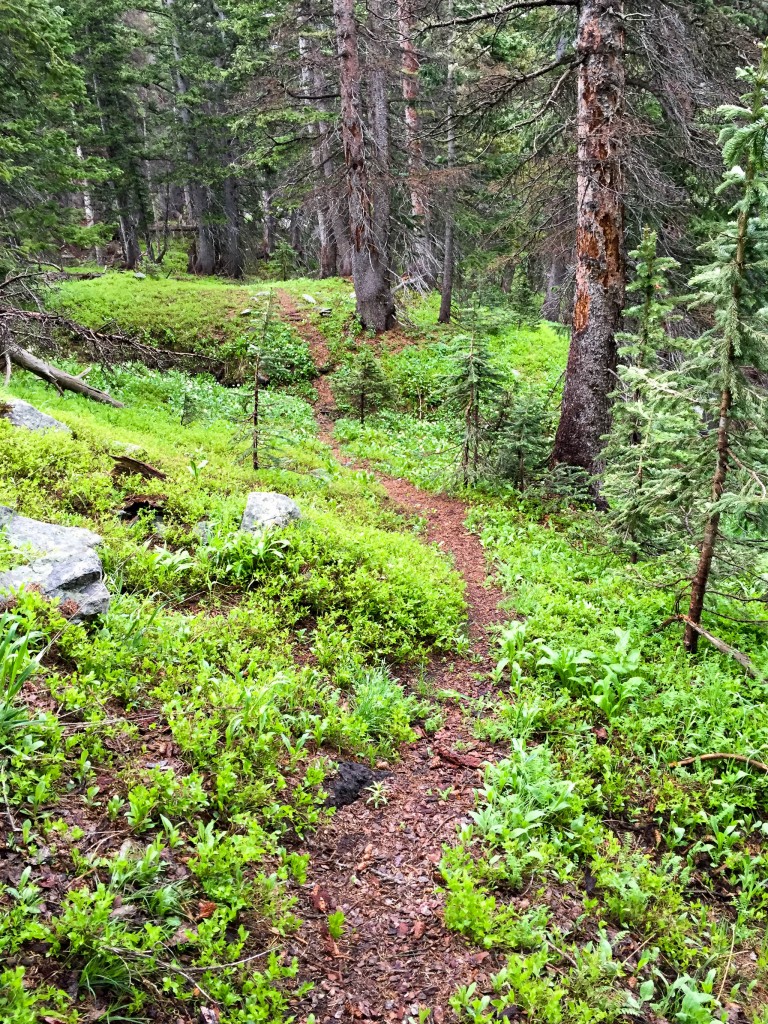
380	865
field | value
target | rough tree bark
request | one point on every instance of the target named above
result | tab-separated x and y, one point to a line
368	200
232	258
336	202
320	152
600	249
422	265
552	308
446	288
129	239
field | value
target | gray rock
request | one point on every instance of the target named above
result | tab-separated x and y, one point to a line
48	540
22	414
266	508
63	563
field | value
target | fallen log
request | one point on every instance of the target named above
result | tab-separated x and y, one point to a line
59	378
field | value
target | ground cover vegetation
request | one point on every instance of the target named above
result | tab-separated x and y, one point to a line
513	255
168	755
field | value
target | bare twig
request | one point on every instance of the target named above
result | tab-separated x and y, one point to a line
741	758
746	663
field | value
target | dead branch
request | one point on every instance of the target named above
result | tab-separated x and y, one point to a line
60	379
748	665
741	758
127	464
106	345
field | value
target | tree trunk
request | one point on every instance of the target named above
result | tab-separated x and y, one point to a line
446	288
320	153
553	299
88	209
446	291
129	239
600	251
368	201
422	265
267	224
711	530
706	554
232	261
202	258
337	205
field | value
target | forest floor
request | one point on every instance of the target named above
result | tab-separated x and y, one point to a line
532	849
380	865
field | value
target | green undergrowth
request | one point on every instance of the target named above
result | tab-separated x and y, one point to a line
617	884
185	312
217	318
161	765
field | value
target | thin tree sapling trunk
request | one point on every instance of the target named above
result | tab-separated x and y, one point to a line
712	527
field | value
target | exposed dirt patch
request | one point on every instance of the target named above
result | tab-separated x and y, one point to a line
379	865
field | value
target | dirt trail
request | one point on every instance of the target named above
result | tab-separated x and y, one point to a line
379	865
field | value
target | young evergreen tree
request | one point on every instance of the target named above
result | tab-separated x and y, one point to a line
627	447
735	284
473	383
361	385
703	422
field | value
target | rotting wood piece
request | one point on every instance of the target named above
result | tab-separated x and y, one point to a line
127	464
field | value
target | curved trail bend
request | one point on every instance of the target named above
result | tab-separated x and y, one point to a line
379	865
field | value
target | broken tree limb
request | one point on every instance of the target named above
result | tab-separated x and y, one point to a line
748	665
127	464
741	758
59	378
106	345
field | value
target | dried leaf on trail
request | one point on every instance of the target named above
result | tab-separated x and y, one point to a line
321	899
330	946
462	760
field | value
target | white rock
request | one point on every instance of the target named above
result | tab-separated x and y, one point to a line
267	508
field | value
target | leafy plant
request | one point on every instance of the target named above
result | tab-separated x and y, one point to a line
17	666
335	922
